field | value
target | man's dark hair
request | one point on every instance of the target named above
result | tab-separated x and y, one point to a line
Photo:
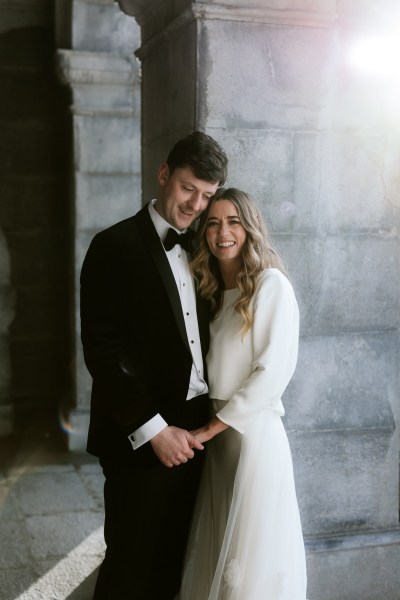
203	154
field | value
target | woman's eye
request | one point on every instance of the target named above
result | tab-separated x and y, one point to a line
212	223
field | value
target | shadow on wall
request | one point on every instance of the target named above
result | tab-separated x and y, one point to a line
7	302
34	164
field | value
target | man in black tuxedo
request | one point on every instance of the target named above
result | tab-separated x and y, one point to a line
145	336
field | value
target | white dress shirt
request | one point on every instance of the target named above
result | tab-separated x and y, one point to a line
178	260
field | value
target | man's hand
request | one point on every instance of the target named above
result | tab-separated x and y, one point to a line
174	446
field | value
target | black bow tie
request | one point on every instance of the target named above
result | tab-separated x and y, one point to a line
184	239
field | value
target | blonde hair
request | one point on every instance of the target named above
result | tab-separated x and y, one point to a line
257	254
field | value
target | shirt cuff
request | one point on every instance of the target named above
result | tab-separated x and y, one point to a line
147	431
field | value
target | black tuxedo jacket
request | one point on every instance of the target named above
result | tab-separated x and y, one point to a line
134	336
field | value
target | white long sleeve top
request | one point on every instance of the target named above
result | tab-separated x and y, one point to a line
251	373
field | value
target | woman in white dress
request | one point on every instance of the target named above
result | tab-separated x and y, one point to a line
246	541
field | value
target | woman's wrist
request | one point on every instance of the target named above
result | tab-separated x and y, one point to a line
215	426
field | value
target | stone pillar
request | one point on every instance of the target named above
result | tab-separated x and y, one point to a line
98	65
316	143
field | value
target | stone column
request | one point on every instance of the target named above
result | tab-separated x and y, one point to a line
98	65
317	143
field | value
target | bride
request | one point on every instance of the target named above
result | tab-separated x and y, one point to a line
246	541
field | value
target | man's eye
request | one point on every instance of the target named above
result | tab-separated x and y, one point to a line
188	189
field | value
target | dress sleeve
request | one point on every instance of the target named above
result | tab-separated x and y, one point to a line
274	335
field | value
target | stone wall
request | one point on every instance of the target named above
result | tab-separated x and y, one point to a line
34	149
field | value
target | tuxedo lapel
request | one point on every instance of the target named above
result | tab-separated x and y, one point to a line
153	243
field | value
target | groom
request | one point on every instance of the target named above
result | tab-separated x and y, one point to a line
145	336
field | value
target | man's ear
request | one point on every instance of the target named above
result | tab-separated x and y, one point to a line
163	174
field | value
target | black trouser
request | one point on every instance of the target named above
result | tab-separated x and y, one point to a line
147	519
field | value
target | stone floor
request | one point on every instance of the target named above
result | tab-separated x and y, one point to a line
51	517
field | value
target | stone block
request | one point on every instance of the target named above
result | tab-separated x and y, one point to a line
341	181
340	409
352	192
303	205
288	85
105	98
344	283
106	144
99	26
102	200
345	382
359	566
346	480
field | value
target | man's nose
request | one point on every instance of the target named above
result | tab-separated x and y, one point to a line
196	200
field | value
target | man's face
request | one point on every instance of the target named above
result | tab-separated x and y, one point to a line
182	197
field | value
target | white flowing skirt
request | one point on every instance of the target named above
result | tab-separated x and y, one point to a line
246	541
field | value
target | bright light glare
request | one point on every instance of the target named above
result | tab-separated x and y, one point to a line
378	56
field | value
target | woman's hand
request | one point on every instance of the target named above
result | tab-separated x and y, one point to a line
206	433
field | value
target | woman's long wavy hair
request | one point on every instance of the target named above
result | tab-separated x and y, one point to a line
257	254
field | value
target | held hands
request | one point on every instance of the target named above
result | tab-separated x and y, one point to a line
174	446
213	428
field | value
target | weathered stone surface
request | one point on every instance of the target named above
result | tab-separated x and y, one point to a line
101	26
344	382
42	493
362	566
346	480
13	553
288	85
105	199
106	145
344	283
55	535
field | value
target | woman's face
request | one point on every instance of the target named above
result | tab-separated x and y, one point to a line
225	234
